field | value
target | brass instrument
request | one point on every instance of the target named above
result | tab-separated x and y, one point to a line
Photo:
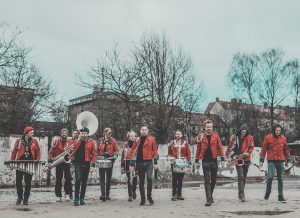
84	119
236	159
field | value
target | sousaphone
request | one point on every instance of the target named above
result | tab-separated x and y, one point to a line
89	120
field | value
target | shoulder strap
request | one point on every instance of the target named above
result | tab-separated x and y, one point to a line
18	145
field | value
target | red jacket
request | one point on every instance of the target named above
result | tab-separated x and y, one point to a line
112	148
247	146
19	150
58	148
90	150
184	151
149	149
215	144
276	147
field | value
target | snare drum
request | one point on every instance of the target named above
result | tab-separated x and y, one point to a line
181	166
104	164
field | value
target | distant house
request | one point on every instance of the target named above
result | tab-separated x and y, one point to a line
236	112
15	109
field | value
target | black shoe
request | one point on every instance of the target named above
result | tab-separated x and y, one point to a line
142	203
82	201
102	198
107	198
281	198
151	201
208	203
134	195
179	197
267	195
130	198
76	203
242	198
25	202
19	201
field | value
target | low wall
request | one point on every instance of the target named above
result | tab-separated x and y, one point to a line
7	176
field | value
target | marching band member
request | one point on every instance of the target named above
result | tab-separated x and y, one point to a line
125	162
75	134
209	147
143	153
241	145
25	148
84	154
173	151
63	169
107	149
278	154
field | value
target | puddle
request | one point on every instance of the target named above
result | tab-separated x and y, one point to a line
23	209
260	213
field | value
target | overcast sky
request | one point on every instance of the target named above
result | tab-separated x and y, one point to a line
68	36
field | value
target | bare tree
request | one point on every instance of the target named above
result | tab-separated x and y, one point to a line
275	80
190	103
293	68
243	79
114	75
59	111
164	73
26	95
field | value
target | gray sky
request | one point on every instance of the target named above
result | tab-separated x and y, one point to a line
68	36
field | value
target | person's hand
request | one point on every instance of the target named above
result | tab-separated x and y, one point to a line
155	167
222	164
261	164
197	165
49	165
286	163
131	168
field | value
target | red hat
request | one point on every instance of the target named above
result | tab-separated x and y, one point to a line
27	129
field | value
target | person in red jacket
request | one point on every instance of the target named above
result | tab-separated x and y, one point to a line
278	154
84	155
176	145
143	154
209	147
59	146
25	148
108	150
125	163
241	145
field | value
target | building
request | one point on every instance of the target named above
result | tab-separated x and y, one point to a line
15	109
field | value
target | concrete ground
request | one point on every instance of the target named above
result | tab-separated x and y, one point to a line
43	203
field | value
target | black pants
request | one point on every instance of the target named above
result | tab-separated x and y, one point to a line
145	169
132	182
82	171
19	185
177	179
210	170
105	186
63	169
242	172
